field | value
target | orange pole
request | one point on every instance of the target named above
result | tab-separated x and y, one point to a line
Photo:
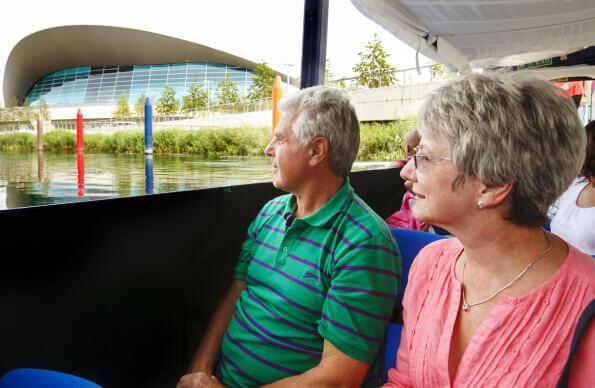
277	94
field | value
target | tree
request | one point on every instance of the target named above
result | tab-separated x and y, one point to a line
262	82
328	74
196	98
168	103
227	92
139	105
373	70
122	110
42	107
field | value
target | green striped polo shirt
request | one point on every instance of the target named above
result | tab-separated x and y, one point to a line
332	275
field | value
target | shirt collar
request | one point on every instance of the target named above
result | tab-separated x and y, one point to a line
328	211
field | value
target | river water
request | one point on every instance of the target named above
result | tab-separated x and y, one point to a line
31	179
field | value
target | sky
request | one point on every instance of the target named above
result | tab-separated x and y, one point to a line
258	30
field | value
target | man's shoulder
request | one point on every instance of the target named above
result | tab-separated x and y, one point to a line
361	220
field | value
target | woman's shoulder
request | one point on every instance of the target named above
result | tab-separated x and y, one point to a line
581	266
439	254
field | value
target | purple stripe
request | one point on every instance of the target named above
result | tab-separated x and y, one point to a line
365	291
357	224
245	260
263	214
276	202
310	351
288	277
241	372
375	247
316	244
305	262
291	302
361	205
350	330
369	269
269	246
275	229
360	311
280	318
262	360
338	233
273	343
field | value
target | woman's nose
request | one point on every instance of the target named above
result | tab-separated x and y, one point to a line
408	171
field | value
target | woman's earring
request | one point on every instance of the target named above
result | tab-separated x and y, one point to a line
479	205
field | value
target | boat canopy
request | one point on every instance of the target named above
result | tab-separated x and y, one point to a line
467	35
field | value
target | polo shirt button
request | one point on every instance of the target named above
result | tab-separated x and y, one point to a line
284	249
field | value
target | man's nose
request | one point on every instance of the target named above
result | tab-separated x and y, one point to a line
268	151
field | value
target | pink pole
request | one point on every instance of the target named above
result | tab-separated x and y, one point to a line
79	132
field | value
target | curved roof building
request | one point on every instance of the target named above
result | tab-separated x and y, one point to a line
75	65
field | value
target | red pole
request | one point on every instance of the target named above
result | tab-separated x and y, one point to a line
79	132
80	166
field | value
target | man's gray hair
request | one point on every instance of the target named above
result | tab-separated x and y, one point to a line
326	112
509	128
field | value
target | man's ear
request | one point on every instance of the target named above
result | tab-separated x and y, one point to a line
494	195
319	150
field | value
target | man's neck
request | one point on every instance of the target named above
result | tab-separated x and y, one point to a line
316	193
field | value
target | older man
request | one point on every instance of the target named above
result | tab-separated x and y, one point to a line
318	273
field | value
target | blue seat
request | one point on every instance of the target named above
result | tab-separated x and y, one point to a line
410	242
42	378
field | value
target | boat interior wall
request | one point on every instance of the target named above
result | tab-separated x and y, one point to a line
480	34
119	291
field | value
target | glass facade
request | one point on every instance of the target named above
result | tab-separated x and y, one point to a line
105	84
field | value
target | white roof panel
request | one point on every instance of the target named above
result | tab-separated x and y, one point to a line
482	33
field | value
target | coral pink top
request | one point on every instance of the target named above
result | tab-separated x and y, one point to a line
524	341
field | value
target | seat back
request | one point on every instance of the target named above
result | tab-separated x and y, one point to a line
410	242
35	378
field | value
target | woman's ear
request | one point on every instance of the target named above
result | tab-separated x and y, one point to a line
319	150
494	195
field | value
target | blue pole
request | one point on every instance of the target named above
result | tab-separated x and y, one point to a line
148	127
149	174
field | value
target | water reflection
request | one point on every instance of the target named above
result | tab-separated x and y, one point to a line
29	179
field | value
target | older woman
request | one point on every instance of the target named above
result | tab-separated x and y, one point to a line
498	304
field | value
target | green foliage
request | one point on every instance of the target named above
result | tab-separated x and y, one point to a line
227	92
379	141
383	141
262	82
373	70
139	106
328	74
196	98
122	110
17	141
168	103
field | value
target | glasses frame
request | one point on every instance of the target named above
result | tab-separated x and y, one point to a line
424	158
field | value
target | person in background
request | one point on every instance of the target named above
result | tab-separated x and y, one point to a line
403	218
497	305
317	276
410	141
574	220
574	90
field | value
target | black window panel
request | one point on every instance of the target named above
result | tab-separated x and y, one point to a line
126	68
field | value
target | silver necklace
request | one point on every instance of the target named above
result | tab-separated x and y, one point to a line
467	306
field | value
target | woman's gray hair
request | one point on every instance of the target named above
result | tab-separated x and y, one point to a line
326	112
509	128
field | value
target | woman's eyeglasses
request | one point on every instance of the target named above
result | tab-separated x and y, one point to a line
420	159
